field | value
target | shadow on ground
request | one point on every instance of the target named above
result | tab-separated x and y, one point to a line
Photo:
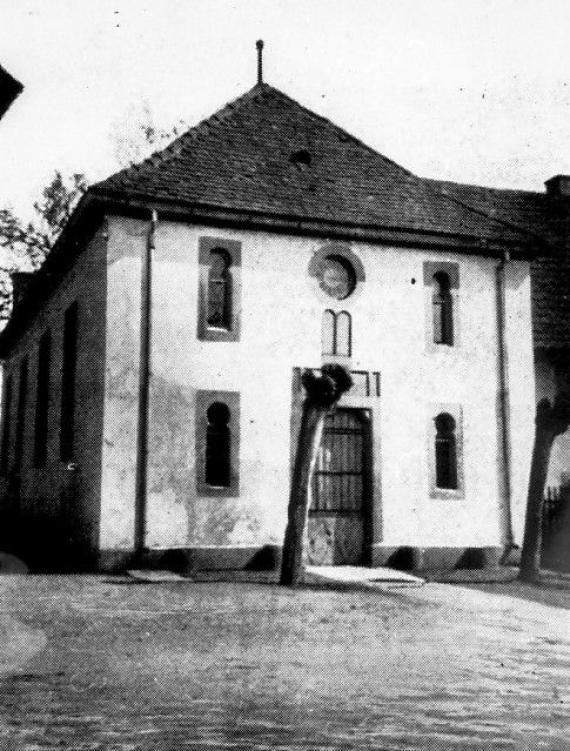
552	590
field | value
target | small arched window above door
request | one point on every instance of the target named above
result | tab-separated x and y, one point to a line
336	333
343	334
328	332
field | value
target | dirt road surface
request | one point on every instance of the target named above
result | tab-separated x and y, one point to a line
89	663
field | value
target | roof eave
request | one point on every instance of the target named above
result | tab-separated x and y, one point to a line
94	205
137	204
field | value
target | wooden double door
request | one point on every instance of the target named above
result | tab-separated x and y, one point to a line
339	522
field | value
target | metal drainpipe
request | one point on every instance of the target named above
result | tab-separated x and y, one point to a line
144	383
504	409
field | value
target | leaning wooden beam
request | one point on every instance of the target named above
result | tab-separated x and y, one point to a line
323	393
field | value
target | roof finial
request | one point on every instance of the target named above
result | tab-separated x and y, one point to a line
259	45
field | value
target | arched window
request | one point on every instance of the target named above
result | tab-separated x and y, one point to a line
442	304
219	289
218	445
343	334
445	452
328	332
336	333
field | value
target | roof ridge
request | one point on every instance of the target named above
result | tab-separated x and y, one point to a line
434	181
510	225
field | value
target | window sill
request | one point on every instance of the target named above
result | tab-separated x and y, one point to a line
442	347
217	491
214	334
444	494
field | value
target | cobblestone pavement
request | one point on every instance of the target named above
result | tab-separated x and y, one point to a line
86	663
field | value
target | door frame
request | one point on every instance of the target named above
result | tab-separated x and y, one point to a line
365	397
364	417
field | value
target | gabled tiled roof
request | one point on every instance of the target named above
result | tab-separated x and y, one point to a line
548	217
242	159
266	161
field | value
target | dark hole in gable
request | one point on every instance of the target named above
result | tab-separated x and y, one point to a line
302	156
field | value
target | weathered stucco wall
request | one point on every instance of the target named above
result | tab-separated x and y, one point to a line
123	266
521	387
65	498
281	330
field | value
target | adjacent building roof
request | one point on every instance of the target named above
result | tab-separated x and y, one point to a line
543	214
266	154
9	90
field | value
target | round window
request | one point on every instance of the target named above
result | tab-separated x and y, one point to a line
336	277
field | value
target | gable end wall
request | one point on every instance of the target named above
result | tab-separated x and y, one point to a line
280	331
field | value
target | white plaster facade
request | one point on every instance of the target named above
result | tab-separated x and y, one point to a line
281	330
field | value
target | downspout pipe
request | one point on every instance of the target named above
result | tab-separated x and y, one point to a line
144	388
506	520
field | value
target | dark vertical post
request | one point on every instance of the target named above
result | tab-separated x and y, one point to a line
144	384
259	45
504	410
307	451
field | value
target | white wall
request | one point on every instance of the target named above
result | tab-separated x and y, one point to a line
280	330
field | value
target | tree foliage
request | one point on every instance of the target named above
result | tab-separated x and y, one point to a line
137	135
25	245
31	241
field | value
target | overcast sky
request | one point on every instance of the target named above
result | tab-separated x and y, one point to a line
468	90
